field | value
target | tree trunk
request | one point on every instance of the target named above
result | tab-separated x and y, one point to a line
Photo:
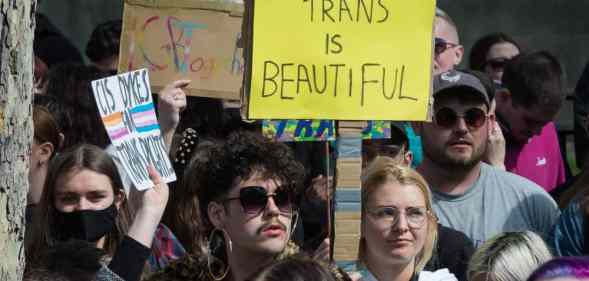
16	79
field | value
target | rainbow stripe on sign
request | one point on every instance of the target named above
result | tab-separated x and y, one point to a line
114	126
144	118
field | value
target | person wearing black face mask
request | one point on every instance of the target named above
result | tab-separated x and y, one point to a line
84	199
87	225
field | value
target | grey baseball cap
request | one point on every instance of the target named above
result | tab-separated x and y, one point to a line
460	80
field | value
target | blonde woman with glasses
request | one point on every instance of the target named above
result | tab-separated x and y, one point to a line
399	228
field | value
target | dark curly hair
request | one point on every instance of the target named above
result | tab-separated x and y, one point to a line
211	177
104	41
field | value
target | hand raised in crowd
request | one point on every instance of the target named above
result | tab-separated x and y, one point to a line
172	100
495	154
318	188
150	210
322	252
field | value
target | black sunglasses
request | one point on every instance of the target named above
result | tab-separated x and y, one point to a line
497	63
441	45
254	199
447	118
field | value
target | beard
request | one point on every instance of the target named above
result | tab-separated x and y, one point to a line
445	158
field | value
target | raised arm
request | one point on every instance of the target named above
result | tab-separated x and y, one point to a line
134	250
172	100
152	206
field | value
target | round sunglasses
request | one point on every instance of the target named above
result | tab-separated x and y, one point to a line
254	199
473	117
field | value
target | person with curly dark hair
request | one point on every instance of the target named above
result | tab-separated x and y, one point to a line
103	47
242	193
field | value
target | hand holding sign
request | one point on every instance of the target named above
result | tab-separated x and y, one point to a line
155	199
151	210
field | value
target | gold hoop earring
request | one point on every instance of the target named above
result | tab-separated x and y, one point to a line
211	259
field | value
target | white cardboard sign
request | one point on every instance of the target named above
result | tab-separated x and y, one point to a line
128	114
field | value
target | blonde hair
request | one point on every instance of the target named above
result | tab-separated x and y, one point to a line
383	170
509	256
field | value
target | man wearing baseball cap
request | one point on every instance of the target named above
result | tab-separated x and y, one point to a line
469	195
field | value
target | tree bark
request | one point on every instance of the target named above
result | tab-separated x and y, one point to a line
16	79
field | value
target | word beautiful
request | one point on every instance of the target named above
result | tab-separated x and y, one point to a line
290	80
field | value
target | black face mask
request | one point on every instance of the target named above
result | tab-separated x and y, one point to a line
87	225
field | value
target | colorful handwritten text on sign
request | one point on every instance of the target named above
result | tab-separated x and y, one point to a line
341	59
318	130
128	114
188	43
299	130
377	130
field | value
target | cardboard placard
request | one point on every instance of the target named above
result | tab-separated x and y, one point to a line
126	107
340	60
180	39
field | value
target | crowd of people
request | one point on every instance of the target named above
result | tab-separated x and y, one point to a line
470	196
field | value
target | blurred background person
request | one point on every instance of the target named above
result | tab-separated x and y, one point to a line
103	47
491	53
565	268
508	256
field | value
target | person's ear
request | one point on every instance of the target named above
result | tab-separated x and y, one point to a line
44	152
217	214
458	54
119	199
408	158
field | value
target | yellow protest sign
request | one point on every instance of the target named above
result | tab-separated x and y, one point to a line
341	59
